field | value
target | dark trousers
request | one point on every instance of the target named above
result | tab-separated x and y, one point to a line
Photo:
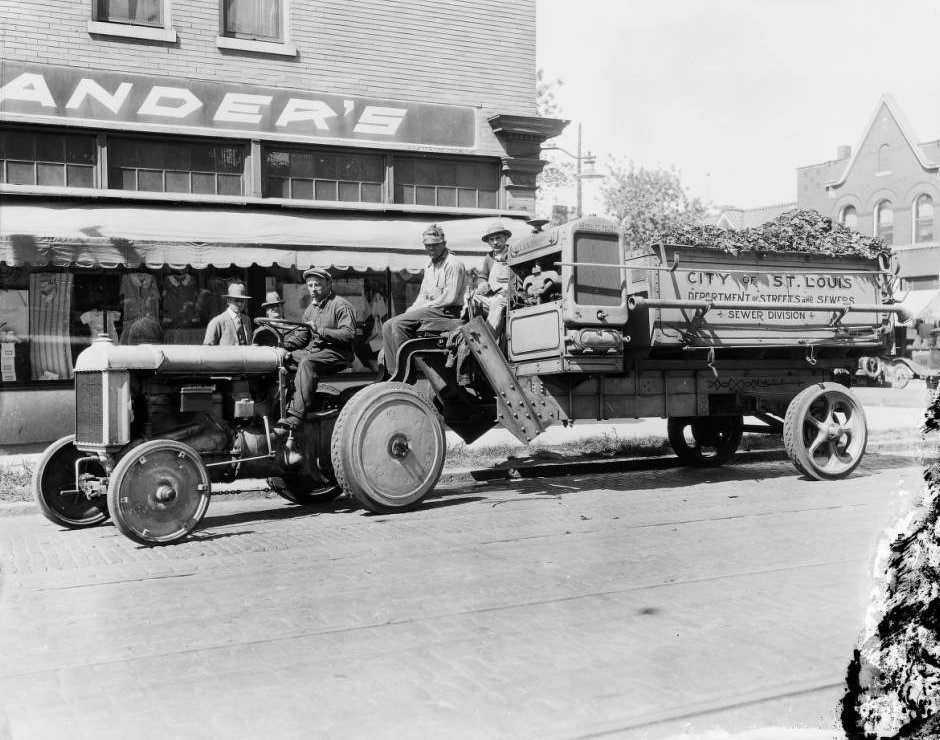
310	365
403	327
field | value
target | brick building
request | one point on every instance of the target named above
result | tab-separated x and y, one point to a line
153	151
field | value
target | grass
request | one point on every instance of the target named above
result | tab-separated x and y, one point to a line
14	483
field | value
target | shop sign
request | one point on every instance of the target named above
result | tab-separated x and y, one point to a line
68	93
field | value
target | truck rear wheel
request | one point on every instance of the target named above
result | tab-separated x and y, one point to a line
159	492
388	447
705	441
56	474
825	432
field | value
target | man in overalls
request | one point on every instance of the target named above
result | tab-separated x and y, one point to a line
491	292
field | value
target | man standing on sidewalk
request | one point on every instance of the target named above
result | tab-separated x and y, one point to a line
441	296
232	326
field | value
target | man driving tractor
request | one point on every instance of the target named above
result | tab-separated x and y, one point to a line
332	321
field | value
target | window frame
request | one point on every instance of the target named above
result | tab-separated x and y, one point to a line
883	206
396	182
278	47
918	220
287	147
36	162
842	216
165	32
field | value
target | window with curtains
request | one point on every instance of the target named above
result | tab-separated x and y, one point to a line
47	158
923	219
173	166
131	12
322	175
427	181
259	20
884	221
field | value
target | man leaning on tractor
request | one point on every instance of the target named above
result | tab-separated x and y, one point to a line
332	321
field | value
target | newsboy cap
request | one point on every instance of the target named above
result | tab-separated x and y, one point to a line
434	234
317	272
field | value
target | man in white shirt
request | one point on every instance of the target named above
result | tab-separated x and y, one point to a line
232	326
441	296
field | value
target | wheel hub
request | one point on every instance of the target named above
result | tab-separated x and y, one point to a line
398	446
164	494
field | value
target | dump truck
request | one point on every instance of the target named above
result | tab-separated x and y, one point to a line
699	336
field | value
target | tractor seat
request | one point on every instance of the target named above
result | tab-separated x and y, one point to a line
435	327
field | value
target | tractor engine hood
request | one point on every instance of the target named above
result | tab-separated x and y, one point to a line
103	355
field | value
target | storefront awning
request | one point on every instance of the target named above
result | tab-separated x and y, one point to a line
110	234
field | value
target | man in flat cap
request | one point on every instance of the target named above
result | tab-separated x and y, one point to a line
491	292
333	323
232	326
441	296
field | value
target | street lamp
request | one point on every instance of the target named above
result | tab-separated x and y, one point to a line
581	173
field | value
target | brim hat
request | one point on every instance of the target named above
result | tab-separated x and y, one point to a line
497	227
317	272
237	290
434	234
272	298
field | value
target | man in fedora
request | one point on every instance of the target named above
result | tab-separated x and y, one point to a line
232	326
273	305
332	321
441	296
491	292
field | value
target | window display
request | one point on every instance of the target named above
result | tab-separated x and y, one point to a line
50	300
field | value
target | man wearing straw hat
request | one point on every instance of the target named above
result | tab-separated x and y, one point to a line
232	326
273	305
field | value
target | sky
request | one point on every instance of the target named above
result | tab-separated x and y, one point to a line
736	94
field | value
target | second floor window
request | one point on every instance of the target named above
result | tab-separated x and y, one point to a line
321	175
849	217
443	182
176	166
131	12
923	219
884	221
258	20
49	158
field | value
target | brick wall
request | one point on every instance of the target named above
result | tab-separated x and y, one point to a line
456	52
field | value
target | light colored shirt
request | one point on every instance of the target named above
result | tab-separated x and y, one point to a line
444	284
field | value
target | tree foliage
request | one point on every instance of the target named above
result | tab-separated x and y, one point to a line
648	202
546	105
558	174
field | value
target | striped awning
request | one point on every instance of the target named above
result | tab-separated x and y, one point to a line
109	234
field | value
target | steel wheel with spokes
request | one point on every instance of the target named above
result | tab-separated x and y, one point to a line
825	432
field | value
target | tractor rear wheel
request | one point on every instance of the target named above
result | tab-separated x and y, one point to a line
388	447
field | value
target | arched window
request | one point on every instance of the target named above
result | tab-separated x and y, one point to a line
923	219
883	159
884	221
849	217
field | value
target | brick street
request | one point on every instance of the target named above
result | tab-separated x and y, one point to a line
634	605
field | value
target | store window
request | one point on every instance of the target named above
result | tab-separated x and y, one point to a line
132	12
258	20
47	158
884	221
322	175
923	219
176	166
427	181
849	217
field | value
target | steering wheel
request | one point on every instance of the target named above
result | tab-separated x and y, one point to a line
282	324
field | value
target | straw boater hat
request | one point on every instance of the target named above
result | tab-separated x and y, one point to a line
237	290
272	298
496	227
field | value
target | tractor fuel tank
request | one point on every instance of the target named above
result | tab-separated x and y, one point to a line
103	355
